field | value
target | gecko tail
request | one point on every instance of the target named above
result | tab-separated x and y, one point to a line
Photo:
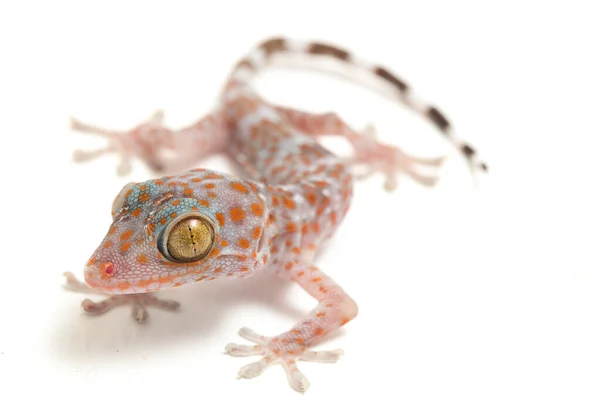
258	58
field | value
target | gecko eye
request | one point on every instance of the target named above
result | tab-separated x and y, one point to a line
120	198
188	238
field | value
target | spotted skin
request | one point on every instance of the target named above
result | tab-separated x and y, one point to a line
294	197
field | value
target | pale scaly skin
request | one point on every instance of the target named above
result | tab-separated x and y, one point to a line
293	199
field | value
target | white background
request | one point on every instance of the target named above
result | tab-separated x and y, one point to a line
488	293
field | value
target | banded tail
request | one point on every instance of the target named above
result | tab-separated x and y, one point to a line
258	59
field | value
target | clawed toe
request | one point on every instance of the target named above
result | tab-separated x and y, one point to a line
270	348
116	144
139	301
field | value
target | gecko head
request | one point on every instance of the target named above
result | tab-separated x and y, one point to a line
171	231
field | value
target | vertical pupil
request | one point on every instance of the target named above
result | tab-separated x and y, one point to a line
190	239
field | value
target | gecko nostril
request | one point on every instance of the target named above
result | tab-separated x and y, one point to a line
108	269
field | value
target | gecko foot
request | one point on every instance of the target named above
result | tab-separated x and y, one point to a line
139	301
391	161
137	142
276	350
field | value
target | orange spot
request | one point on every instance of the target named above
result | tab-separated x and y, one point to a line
239	187
176	202
194	208
188	192
143	197
142	259
289	266
210	186
321	314
300	274
244	269
220	218
124	285
289	203
196	180
218	269
257	209
304	229
91	261
112	230
125	246
345	320
256	233
107	244
253	186
136	212
163	221
212	195
296	250
275	201
126	235
299	340
291	227
244	243
142	284
316	279
204	203
333	218
224	243
158	182
237	214
173	215
318	331
316	227
165	279
311	198
212	176
242	257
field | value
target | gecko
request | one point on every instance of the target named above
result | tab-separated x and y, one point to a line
199	224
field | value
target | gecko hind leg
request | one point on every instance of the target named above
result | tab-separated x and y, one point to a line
139	302
373	155
389	160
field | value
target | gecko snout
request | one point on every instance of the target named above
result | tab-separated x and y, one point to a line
95	274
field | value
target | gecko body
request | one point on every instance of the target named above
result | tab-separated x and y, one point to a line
201	225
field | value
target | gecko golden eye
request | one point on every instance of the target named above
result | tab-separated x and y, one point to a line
189	238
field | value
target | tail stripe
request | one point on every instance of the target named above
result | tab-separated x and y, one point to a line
259	57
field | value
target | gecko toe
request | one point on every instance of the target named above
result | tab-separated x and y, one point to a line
295	377
254	369
241	350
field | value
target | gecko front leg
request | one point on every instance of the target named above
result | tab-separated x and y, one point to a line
334	310
151	142
139	301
